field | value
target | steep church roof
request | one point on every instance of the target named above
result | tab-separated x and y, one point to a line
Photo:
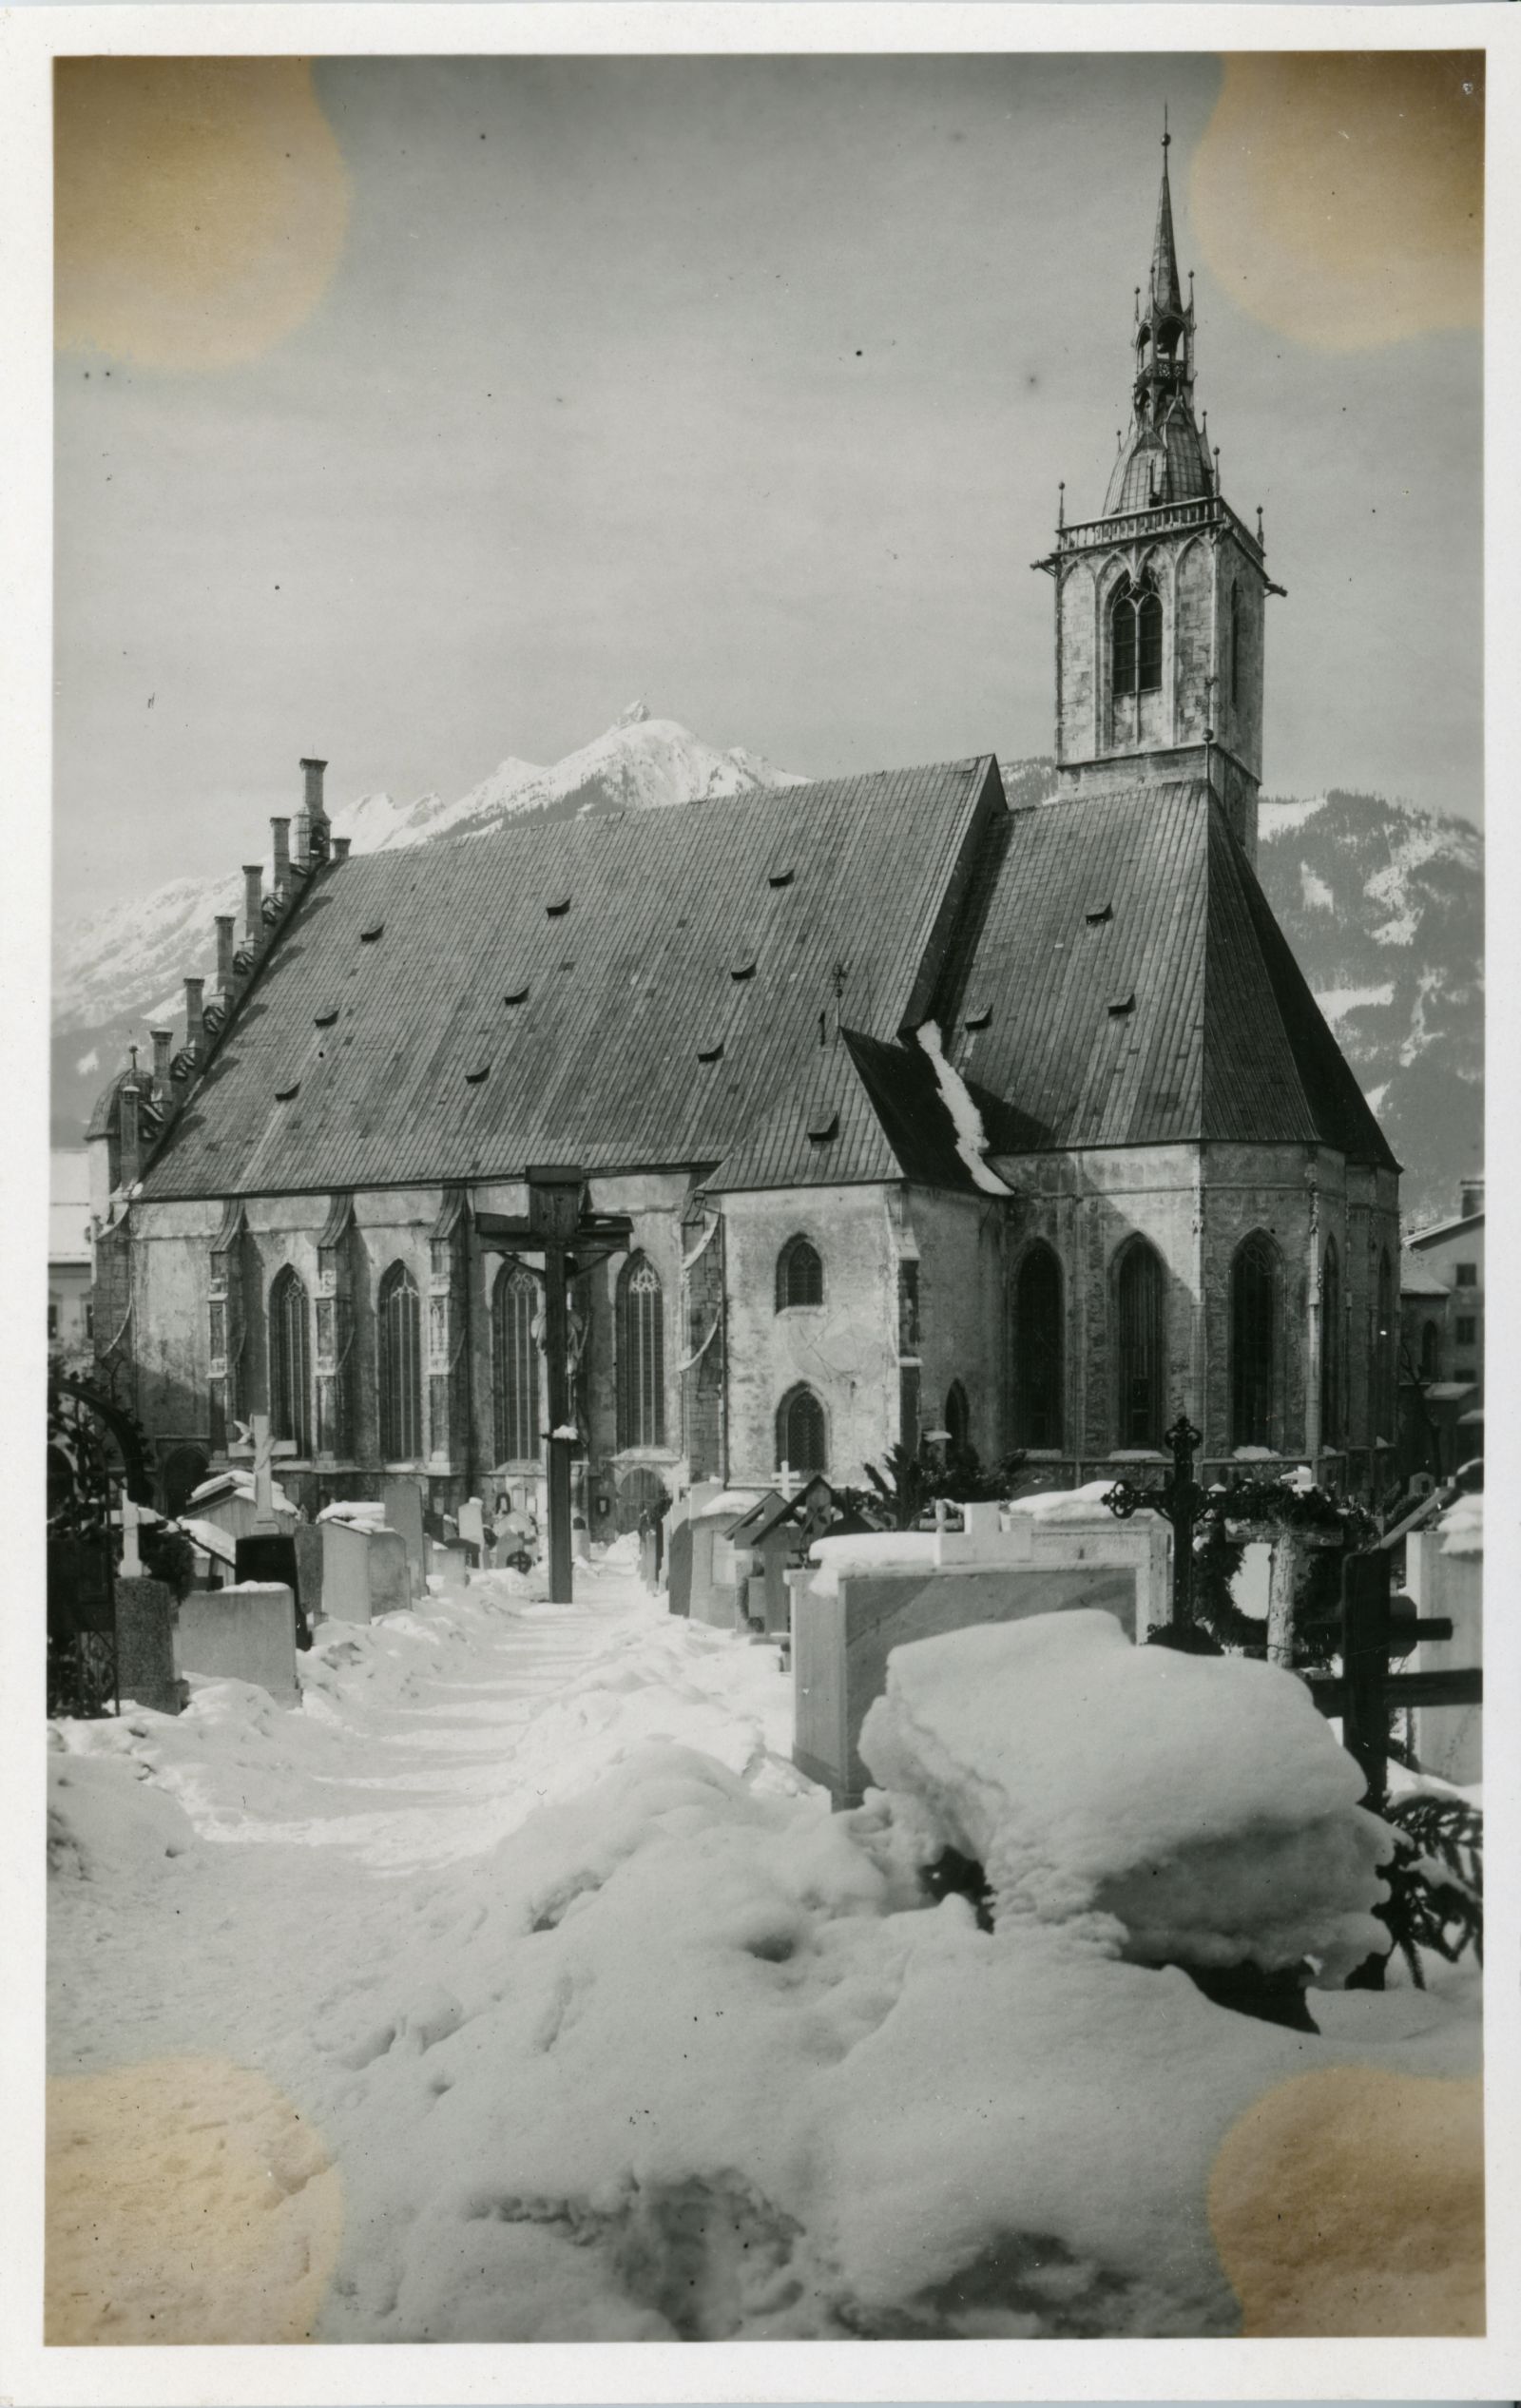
1119	977
622	991
857	1111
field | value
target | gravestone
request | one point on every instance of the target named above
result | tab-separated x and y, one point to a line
678	1592
144	1645
308	1538
403	1508
472	1527
271	1555
244	1633
345	1571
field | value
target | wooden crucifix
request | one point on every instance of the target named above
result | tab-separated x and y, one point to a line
570	1238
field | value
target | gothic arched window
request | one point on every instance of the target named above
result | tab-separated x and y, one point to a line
1431	1352
1141	1344
290	1362
1254	1312
400	1350
1038	1350
803	1434
799	1274
1332	1348
1135	636
640	1356
958	1416
515	1364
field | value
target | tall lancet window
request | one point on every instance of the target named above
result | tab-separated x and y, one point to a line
640	1356
399	1335
1141	1334
1038	1350
1254	1286
290	1362
515	1364
1135	636
1333	1349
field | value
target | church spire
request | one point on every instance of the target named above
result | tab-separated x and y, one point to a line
1166	298
1163	460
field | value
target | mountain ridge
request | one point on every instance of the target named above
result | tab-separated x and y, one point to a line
1381	903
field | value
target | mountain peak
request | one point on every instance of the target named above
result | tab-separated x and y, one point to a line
634	716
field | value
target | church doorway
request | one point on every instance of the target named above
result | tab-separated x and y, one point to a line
638	1491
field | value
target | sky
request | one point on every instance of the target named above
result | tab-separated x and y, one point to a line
418	412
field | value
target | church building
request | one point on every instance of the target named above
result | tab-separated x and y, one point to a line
925	1112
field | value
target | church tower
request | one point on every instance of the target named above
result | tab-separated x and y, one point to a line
1161	600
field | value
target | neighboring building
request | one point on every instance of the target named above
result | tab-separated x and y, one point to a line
1442	1306
925	1111
71	1265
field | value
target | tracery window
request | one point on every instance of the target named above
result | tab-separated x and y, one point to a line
640	1356
958	1416
290	1362
1254	1313
1135	636
800	1274
1038	1350
803	1435
1141	1344
515	1364
1333	1342
399	1352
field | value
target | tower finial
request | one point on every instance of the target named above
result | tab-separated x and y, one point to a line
1166	138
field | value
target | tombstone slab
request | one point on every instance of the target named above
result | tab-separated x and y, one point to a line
403	1508
244	1633
144	1645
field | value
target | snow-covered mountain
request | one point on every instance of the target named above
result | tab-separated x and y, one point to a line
120	968
1384	907
1382	903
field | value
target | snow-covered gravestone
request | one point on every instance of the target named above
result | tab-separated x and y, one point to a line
472	1525
1200	1801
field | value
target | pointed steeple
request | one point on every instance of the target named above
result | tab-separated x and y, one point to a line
1167	297
1162	458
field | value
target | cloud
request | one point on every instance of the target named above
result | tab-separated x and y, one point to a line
200	207
1339	196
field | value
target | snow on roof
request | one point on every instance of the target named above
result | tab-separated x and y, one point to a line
1057	1505
1417	1280
237	1483
870	1551
1461	1528
364	1512
211	1539
733	1502
1201	1800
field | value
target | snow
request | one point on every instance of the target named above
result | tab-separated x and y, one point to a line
868	1551
1462	1526
1197	1804
364	1514
1317	894
525	1928
1274	820
1336	1002
238	1483
211	1538
972	1138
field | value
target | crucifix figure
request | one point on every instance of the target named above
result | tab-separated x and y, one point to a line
1181	1501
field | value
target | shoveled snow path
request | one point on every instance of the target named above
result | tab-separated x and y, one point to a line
423	1741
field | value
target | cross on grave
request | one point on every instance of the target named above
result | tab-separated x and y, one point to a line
1181	1501
263	1475
1378	1626
131	1560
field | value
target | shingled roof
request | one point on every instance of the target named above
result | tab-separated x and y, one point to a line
1119	977
626	991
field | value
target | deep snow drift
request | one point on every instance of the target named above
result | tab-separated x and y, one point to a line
611	2031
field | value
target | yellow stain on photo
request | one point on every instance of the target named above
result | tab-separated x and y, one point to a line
201	207
187	2202
1338	196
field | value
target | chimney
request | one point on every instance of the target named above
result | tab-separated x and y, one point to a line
314	822
281	830
163	1039
129	1142
1471	1200
224	943
253	890
195	1028
341	848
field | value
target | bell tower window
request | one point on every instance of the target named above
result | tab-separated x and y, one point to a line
1135	637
